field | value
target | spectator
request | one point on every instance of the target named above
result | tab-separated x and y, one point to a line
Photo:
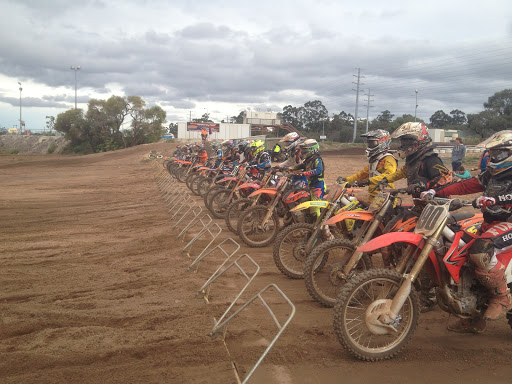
458	154
204	134
462	173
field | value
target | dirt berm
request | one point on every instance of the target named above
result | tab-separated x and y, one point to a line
32	144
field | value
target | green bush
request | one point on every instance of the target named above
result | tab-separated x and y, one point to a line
15	151
52	148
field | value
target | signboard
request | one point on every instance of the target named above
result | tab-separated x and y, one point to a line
210	127
323	137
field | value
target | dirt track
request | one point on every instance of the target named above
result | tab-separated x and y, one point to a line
94	289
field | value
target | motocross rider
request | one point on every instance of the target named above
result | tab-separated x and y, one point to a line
313	168
381	162
423	168
261	159
290	144
496	231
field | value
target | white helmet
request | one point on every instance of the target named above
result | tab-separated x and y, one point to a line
500	152
289	139
413	138
377	142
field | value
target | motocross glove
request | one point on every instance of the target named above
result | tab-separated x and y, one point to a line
428	195
340	180
383	183
363	183
484	202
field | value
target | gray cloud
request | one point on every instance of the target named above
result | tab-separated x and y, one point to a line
205	52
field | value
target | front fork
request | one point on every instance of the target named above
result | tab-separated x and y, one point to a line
405	288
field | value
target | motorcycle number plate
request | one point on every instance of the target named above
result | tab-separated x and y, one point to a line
431	218
378	202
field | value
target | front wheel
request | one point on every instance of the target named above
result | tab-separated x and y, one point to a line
359	309
233	212
290	249
219	203
253	231
324	270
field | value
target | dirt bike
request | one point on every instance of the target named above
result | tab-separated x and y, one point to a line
222	181
197	171
294	243
219	199
258	226
236	207
377	312
205	182
344	260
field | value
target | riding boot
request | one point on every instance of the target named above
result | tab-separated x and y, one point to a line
496	282
476	325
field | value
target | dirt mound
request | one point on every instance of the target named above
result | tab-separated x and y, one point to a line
32	144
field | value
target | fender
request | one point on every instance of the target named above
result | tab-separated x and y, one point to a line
308	204
350	215
249	185
400	237
264	191
390	238
224	179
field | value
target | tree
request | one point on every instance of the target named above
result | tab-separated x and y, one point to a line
402	120
385	117
291	115
440	119
497	115
500	103
75	127
173	129
314	112
204	119
458	117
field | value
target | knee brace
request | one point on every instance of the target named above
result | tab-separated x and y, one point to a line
482	254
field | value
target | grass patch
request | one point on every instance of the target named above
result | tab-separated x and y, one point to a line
52	148
15	151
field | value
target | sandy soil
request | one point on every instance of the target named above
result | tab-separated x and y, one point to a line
94	288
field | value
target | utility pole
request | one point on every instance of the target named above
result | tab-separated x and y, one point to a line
416	108
21	121
190	118
357	101
368	108
73	68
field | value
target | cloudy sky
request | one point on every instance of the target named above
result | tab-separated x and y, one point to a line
223	56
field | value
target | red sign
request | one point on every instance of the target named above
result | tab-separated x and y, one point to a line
210	127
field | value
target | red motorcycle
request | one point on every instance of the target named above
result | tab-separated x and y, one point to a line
377	311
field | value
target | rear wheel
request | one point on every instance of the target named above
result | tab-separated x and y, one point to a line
323	273
251	230
357	315
289	249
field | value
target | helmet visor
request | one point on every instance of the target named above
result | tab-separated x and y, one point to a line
499	154
372	143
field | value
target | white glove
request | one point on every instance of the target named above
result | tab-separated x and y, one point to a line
484	202
428	195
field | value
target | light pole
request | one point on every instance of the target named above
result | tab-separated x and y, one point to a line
77	68
21	121
416	108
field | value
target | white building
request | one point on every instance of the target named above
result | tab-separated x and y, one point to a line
442	135
226	131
